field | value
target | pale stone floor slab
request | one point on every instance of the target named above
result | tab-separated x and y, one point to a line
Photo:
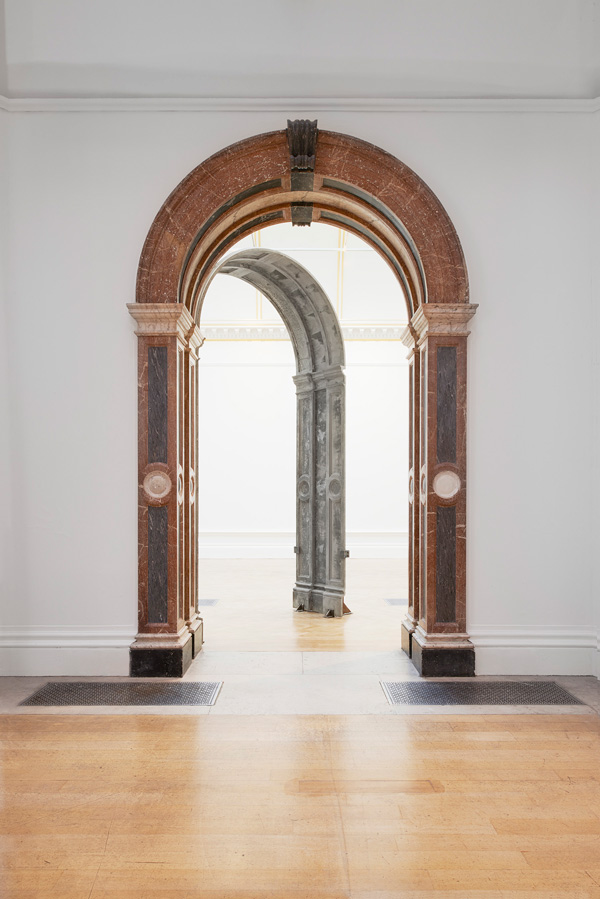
287	683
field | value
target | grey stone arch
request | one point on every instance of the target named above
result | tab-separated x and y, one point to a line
318	346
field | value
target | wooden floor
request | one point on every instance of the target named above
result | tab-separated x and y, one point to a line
255	607
284	807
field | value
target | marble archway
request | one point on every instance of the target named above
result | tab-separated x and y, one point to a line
302	174
320	445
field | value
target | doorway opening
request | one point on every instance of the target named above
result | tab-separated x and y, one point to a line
248	443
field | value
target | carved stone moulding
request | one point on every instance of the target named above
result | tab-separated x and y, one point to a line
302	141
442	318
166	320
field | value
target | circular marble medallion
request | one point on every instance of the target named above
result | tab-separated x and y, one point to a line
157	484
446	484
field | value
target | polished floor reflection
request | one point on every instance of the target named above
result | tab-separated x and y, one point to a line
300	807
255	611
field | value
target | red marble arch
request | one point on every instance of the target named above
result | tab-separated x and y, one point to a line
357	186
365	190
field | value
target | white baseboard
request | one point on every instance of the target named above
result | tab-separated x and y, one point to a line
541	650
280	545
73	650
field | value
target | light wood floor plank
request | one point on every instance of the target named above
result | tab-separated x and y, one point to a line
306	807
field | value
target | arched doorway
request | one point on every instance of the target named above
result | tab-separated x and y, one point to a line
302	175
320	455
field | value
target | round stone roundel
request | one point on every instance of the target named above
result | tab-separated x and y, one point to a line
157	484
304	488
446	484
335	488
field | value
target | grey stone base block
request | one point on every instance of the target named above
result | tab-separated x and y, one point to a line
161	662
332	604
197	631
437	662
406	635
301	599
322	601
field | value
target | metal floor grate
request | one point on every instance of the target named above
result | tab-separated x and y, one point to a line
207	602
477	693
142	693
396	602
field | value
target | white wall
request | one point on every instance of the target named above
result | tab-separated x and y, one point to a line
6	529
595	472
84	190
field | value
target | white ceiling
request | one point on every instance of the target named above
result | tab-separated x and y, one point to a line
301	48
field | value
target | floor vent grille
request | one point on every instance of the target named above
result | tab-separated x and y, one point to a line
469	692
125	694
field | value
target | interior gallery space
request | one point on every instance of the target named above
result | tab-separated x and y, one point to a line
300	434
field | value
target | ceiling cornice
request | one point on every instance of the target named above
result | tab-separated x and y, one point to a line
295	105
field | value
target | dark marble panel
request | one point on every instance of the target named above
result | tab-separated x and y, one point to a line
445	564
302	213
160	662
303	181
158	526
446	404
157	404
443	662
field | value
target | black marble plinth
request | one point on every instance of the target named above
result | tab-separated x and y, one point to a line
406	635
433	662
160	662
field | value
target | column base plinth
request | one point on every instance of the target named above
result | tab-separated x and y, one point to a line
162	659
442	656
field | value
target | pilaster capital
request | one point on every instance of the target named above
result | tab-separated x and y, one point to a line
442	318
409	337
304	383
166	320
